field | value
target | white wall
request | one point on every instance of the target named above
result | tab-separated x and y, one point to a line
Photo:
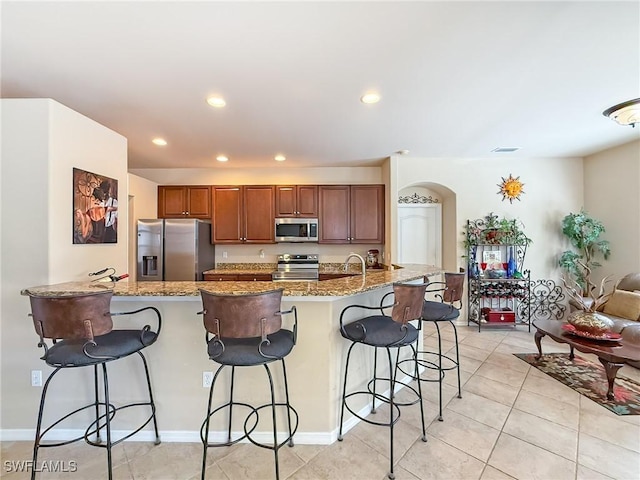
553	187
42	141
611	195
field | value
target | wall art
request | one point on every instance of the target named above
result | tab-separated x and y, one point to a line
95	208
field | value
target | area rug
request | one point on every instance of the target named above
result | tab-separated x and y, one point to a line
588	378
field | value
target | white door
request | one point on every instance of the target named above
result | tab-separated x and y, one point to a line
420	234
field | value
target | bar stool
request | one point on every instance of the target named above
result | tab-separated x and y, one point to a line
81	329
244	331
449	292
384	331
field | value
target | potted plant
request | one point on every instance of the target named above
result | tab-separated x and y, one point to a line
583	231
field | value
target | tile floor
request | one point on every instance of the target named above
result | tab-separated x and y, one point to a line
511	422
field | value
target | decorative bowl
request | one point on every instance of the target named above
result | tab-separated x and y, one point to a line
590	322
496	273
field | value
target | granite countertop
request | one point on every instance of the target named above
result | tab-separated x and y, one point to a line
327	288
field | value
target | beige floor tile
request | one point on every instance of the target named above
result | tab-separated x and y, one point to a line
480	409
308	452
473	352
607	458
508	360
491	389
262	464
585	473
525	461
498	373
168	461
589	406
491	473
377	437
349	459
542	406
465	434
611	430
213	472
543	433
431	344
438	460
549	387
468	364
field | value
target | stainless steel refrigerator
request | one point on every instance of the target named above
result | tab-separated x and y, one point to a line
174	249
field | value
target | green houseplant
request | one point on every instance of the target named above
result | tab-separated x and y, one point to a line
583	231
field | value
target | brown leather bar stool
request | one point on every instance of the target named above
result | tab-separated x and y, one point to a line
385	331
244	331
80	327
449	293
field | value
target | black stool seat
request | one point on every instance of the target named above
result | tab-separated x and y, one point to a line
439	312
111	346
244	352
379	331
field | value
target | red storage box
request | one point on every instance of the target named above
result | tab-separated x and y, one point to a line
501	315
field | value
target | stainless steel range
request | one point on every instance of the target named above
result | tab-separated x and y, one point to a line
296	267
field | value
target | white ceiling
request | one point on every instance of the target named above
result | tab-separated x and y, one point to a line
457	79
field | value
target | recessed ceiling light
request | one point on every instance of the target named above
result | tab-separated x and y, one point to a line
370	97
505	149
217	102
279	158
161	142
403	152
222	158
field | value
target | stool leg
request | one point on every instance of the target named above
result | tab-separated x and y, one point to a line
286	394
95	384
440	372
415	359
36	443
455	333
375	367
274	420
205	435
344	391
151	402
233	377
107	418
391	405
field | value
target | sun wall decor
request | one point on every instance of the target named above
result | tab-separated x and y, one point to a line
511	188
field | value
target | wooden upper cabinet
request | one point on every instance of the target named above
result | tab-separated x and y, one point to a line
367	214
243	214
351	214
180	201
297	201
333	218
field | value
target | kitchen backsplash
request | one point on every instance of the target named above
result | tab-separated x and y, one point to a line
269	253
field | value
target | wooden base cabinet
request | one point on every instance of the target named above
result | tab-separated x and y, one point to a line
181	201
351	214
243	214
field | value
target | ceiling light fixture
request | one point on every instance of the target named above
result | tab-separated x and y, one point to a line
370	98
279	158
217	102
625	113
161	142
505	149
222	158
403	152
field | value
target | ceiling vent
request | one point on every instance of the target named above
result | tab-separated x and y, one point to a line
505	149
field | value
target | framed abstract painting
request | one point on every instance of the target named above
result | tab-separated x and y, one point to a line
95	208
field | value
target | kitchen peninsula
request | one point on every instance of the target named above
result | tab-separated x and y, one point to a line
178	359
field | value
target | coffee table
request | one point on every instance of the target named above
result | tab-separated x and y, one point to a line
612	355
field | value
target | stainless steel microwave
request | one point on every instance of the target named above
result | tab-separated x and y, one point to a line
296	229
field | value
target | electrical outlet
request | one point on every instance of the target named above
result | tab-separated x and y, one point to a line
224	254
261	253
36	378
207	379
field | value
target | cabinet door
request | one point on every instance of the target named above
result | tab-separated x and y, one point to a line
172	202
285	201
307	201
227	215
367	214
199	202
220	277
259	214
254	277
333	210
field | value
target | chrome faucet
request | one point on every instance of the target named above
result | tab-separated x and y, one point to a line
352	254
